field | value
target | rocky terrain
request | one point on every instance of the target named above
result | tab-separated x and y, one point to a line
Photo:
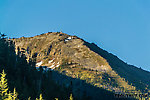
76	58
55	49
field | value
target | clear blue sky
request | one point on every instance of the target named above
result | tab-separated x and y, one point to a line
121	27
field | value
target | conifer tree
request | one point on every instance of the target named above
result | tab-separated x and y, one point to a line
40	98
56	98
29	98
3	85
14	95
71	97
2	35
9	96
4	89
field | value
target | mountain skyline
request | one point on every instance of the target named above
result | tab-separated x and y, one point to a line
120	27
73	57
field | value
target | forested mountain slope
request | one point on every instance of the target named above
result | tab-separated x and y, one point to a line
31	79
76	58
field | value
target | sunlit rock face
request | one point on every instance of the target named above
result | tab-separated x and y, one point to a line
56	48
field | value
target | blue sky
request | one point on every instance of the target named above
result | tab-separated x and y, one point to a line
121	27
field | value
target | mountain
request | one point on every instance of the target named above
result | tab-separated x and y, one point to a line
76	59
136	76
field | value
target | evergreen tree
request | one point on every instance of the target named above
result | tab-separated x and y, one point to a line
71	97
40	98
3	86
29	98
9	96
4	89
14	95
2	35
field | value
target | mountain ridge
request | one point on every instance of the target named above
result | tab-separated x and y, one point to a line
77	58
134	69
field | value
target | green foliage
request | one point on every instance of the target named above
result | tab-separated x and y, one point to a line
14	94
9	97
29	98
4	89
40	98
71	97
3	85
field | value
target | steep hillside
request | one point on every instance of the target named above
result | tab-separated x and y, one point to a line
76	58
136	76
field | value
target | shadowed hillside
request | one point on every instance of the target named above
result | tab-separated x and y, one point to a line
136	76
30	82
76	58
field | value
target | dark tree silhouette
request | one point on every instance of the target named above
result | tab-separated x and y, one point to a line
2	35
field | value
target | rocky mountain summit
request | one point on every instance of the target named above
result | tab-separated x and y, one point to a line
76	58
55	49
